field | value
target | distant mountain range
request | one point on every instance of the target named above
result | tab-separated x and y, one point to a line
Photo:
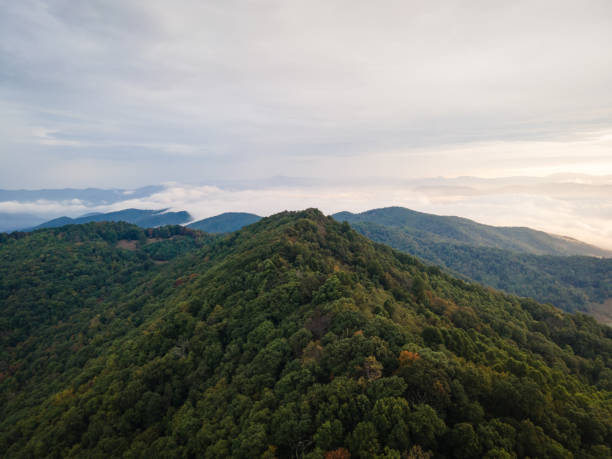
223	223
417	225
88	198
142	218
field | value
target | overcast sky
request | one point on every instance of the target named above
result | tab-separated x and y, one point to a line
125	93
129	93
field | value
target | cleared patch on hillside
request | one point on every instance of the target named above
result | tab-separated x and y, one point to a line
127	245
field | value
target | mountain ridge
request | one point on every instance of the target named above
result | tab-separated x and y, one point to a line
140	217
572	283
463	230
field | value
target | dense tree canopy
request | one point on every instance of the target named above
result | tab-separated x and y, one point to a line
294	337
572	283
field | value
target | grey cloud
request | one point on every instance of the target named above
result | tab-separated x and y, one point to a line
194	90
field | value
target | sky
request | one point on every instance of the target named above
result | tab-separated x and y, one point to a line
190	94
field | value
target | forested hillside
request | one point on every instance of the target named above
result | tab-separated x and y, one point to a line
457	230
58	289
573	283
294	337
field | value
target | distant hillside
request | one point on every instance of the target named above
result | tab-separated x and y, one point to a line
438	228
572	283
225	223
142	218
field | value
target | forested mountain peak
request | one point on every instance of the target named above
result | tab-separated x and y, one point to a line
293	337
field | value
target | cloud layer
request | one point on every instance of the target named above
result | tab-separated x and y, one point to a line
127	93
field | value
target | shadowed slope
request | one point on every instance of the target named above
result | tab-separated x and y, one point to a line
226	222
